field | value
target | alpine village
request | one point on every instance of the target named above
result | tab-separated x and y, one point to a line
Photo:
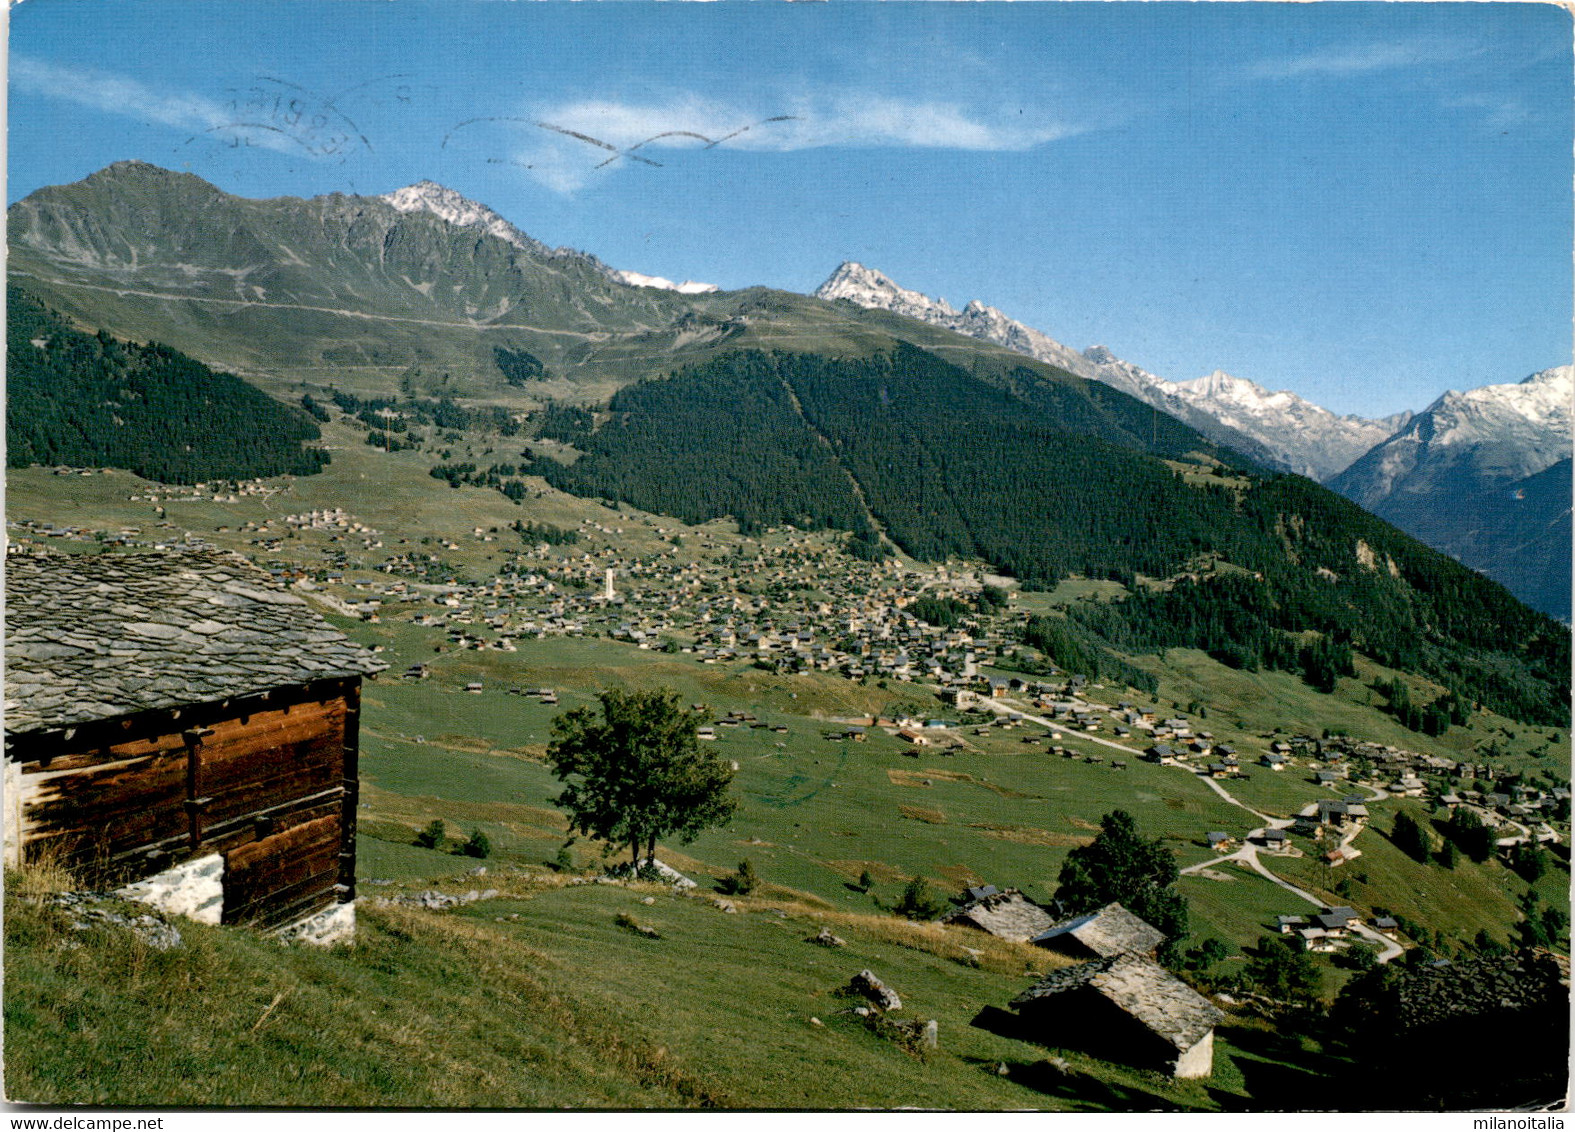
446	671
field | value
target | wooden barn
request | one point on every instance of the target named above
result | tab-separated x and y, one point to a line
1125	1008
180	723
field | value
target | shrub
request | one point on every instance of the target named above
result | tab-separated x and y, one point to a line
741	883
432	836
919	901
477	845
1357	957
865	882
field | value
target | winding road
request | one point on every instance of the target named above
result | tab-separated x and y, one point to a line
1248	853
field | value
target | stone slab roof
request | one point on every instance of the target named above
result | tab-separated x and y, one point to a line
1141	988
1010	915
99	636
1110	931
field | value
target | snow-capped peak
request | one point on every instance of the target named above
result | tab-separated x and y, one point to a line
869	288
1221	388
1540	402
1279	428
450	206
687	287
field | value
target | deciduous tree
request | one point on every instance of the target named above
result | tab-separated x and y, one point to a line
636	772
1121	865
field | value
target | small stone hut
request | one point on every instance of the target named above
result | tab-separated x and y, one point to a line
1108	932
1124	1008
181	723
1009	914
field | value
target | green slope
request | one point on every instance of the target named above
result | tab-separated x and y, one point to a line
96	401
1042	481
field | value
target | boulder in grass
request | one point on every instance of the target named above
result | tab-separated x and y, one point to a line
868	984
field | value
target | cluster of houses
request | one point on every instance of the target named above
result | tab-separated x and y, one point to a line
1113	1000
1328	930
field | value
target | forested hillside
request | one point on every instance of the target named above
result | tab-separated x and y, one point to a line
1042	481
92	400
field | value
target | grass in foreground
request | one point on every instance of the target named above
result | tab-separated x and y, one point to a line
542	999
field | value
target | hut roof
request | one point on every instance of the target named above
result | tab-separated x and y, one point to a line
1110	931
1141	988
98	636
1009	914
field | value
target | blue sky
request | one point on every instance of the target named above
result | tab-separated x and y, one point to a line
1365	203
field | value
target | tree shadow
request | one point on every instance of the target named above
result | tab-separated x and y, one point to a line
1078	1087
1277	1072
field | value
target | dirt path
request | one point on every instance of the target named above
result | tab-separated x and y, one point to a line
1248	853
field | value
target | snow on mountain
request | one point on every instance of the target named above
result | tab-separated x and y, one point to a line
1278	429
1484	476
448	205
1311	439
456	209
867	287
1465	442
687	287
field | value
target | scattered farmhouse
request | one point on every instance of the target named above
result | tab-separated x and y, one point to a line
182	721
1009	914
1099	935
1126	1008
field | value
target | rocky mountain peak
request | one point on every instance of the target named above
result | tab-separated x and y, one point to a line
870	288
450	206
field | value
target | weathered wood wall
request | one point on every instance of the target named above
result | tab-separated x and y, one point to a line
269	781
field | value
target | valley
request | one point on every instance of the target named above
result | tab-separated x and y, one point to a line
942	609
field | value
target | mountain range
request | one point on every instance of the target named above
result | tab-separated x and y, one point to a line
1280	429
1448	474
772	407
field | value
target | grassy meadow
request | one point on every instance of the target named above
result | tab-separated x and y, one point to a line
541	998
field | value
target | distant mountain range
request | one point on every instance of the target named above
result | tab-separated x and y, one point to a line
1447	475
1485	476
1279	429
772	407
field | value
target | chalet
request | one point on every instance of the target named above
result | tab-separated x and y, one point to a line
1316	939
1275	761
1110	931
1126	1008
1218	839
1337	920
1387	927
182	720
1289	924
1274	838
1009	914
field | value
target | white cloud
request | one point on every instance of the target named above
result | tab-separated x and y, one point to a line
1499	114
614	134
252	119
1362	59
